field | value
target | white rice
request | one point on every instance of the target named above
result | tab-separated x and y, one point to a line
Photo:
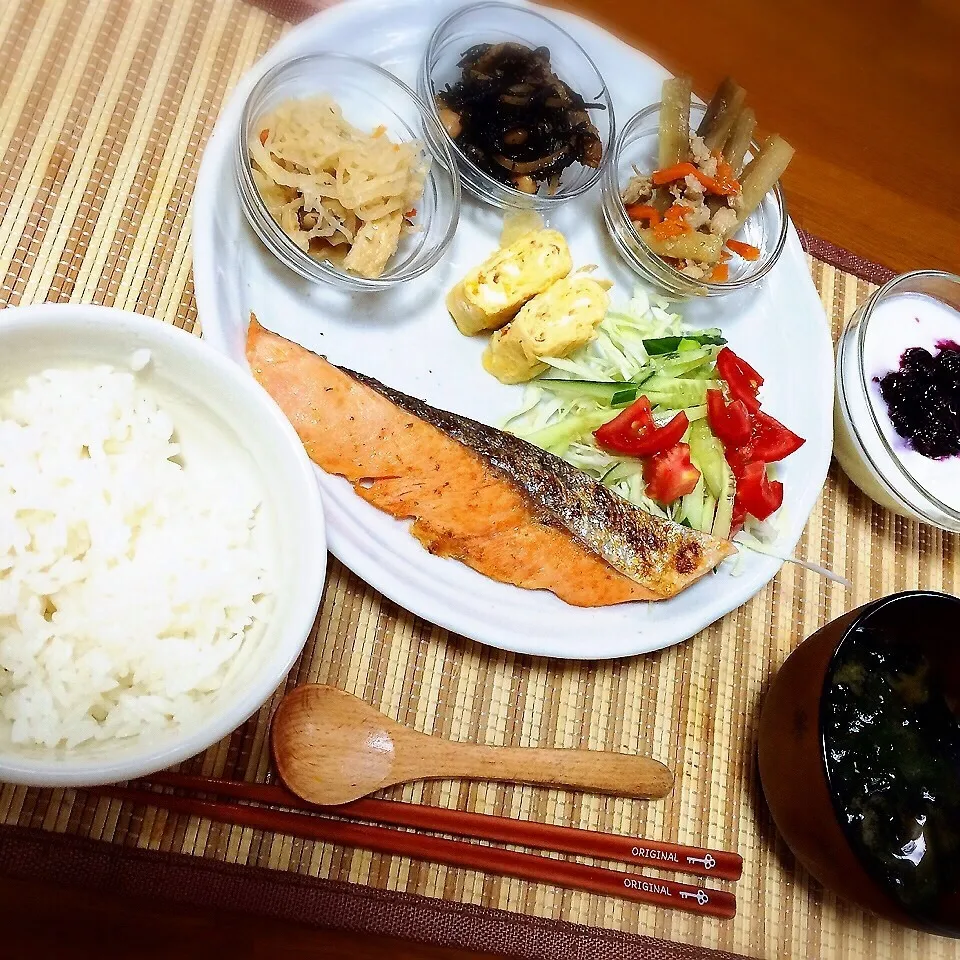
127	582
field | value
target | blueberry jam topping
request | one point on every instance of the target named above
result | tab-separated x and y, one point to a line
923	399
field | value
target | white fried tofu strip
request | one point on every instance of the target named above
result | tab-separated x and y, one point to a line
552	324
490	295
374	244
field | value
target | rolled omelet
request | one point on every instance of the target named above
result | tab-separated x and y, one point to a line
490	295
552	324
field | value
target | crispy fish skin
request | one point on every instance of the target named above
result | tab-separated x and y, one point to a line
661	555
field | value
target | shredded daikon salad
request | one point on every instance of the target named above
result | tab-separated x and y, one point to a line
557	415
339	193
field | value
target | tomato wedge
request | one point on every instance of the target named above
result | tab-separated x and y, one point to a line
737	458
742	380
756	493
670	474
771	440
635	432
730	423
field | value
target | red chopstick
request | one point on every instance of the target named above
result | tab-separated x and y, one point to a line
481	826
455	853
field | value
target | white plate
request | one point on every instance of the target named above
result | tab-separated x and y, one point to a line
406	339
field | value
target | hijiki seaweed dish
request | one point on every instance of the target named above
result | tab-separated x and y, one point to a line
516	119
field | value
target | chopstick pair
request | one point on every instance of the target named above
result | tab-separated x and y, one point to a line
319	824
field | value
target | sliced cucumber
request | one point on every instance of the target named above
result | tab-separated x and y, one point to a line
706	451
614	394
724	519
709	512
660	345
675	393
691	507
706	371
558	436
593	389
624	470
682	362
623	398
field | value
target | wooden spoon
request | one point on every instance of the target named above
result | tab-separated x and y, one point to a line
331	748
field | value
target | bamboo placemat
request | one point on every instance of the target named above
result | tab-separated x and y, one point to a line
104	109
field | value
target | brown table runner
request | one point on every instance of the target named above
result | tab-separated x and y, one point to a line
104	109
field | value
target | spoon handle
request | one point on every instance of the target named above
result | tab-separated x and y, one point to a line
588	770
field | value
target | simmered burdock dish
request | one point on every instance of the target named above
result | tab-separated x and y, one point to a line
513	117
703	189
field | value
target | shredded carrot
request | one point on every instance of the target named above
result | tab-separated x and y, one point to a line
263	136
412	212
717	185
723	184
643	211
670	228
746	250
724	256
673	223
677	172
720	274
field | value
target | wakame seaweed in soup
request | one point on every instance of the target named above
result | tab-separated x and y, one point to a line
891	722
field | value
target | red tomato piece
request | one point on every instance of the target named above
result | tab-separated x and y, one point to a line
730	423
738	458
670	474
635	432
742	380
771	440
636	420
756	493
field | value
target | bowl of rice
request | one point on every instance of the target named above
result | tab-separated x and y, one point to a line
162	550
343	174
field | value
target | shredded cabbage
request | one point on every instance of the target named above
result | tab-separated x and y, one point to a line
563	422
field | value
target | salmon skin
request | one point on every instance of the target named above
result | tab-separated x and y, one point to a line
497	503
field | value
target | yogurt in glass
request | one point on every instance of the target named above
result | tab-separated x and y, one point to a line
920	309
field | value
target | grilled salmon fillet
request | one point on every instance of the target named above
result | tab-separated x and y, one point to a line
502	506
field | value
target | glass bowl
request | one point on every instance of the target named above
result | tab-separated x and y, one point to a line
494	22
369	96
765	228
864	443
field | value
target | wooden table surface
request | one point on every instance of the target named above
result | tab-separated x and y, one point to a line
868	95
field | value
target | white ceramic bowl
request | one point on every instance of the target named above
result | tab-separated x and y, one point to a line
215	404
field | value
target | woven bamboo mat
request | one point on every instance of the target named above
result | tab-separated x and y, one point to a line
106	105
